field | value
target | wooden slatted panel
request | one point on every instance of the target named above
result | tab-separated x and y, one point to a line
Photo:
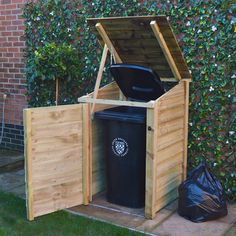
134	41
170	145
98	157
54	143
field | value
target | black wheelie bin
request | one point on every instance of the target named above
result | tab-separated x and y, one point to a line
125	135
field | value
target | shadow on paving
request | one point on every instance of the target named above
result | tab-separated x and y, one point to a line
10	160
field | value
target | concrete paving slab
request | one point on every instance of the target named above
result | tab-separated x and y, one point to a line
11	180
178	226
231	231
108	216
10	160
231	217
19	191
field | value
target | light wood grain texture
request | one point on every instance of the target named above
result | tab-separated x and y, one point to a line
86	153
98	157
99	76
170	152
135	42
108	42
55	147
116	102
28	163
186	88
150	163
165	49
170	126
169	145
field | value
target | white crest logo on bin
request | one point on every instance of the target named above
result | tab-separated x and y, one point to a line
120	147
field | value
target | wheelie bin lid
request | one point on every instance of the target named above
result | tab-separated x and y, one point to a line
138	83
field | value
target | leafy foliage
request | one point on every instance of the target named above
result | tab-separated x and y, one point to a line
206	34
53	52
56	61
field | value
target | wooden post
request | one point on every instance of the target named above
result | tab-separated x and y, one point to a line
186	94
86	153
99	76
150	191
165	49
28	163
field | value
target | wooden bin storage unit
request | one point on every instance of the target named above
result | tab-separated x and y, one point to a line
64	144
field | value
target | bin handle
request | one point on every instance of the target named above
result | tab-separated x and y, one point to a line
144	90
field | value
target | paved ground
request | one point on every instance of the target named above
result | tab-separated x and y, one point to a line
13	182
167	221
10	160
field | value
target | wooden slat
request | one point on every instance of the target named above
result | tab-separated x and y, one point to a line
44	130
170	151
150	164
171	114
172	102
108	42
59	142
99	76
45	116
165	49
117	102
170	139
186	86
120	33
59	180
86	153
48	157
98	157
162	167
131	21
49	198
28	163
170	173
171	126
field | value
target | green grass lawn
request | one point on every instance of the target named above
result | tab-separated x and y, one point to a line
13	222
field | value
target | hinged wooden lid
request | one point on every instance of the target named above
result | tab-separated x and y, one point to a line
146	41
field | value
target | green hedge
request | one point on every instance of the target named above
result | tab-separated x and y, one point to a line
206	33
53	51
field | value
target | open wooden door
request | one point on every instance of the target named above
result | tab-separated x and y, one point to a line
56	158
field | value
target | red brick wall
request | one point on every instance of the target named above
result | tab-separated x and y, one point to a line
12	77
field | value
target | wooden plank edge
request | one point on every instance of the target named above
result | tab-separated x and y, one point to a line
99	76
186	87
150	163
165	49
117	102
108	42
85	153
28	163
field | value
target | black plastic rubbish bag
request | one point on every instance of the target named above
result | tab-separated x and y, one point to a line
201	196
